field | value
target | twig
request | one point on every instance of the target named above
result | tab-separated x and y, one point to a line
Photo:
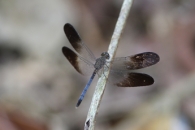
101	85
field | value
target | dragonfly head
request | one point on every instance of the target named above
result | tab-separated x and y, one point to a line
106	55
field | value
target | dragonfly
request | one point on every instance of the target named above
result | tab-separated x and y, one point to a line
84	61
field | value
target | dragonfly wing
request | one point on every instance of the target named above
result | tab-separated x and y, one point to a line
130	79
77	43
137	61
80	64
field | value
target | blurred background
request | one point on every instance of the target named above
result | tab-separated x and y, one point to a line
39	88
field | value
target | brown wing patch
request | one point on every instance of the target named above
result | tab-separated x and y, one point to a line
73	36
141	60
72	58
135	80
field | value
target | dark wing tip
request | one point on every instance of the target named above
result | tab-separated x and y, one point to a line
142	60
150	56
67	26
67	52
72	36
72	58
63	49
147	58
136	80
155	56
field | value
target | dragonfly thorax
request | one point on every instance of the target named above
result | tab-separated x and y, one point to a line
100	62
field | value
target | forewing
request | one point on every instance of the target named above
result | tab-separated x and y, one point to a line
137	61
131	79
80	64
77	43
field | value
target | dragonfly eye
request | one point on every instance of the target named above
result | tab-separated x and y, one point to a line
106	55
103	54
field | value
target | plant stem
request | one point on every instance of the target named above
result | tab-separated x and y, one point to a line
101	85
